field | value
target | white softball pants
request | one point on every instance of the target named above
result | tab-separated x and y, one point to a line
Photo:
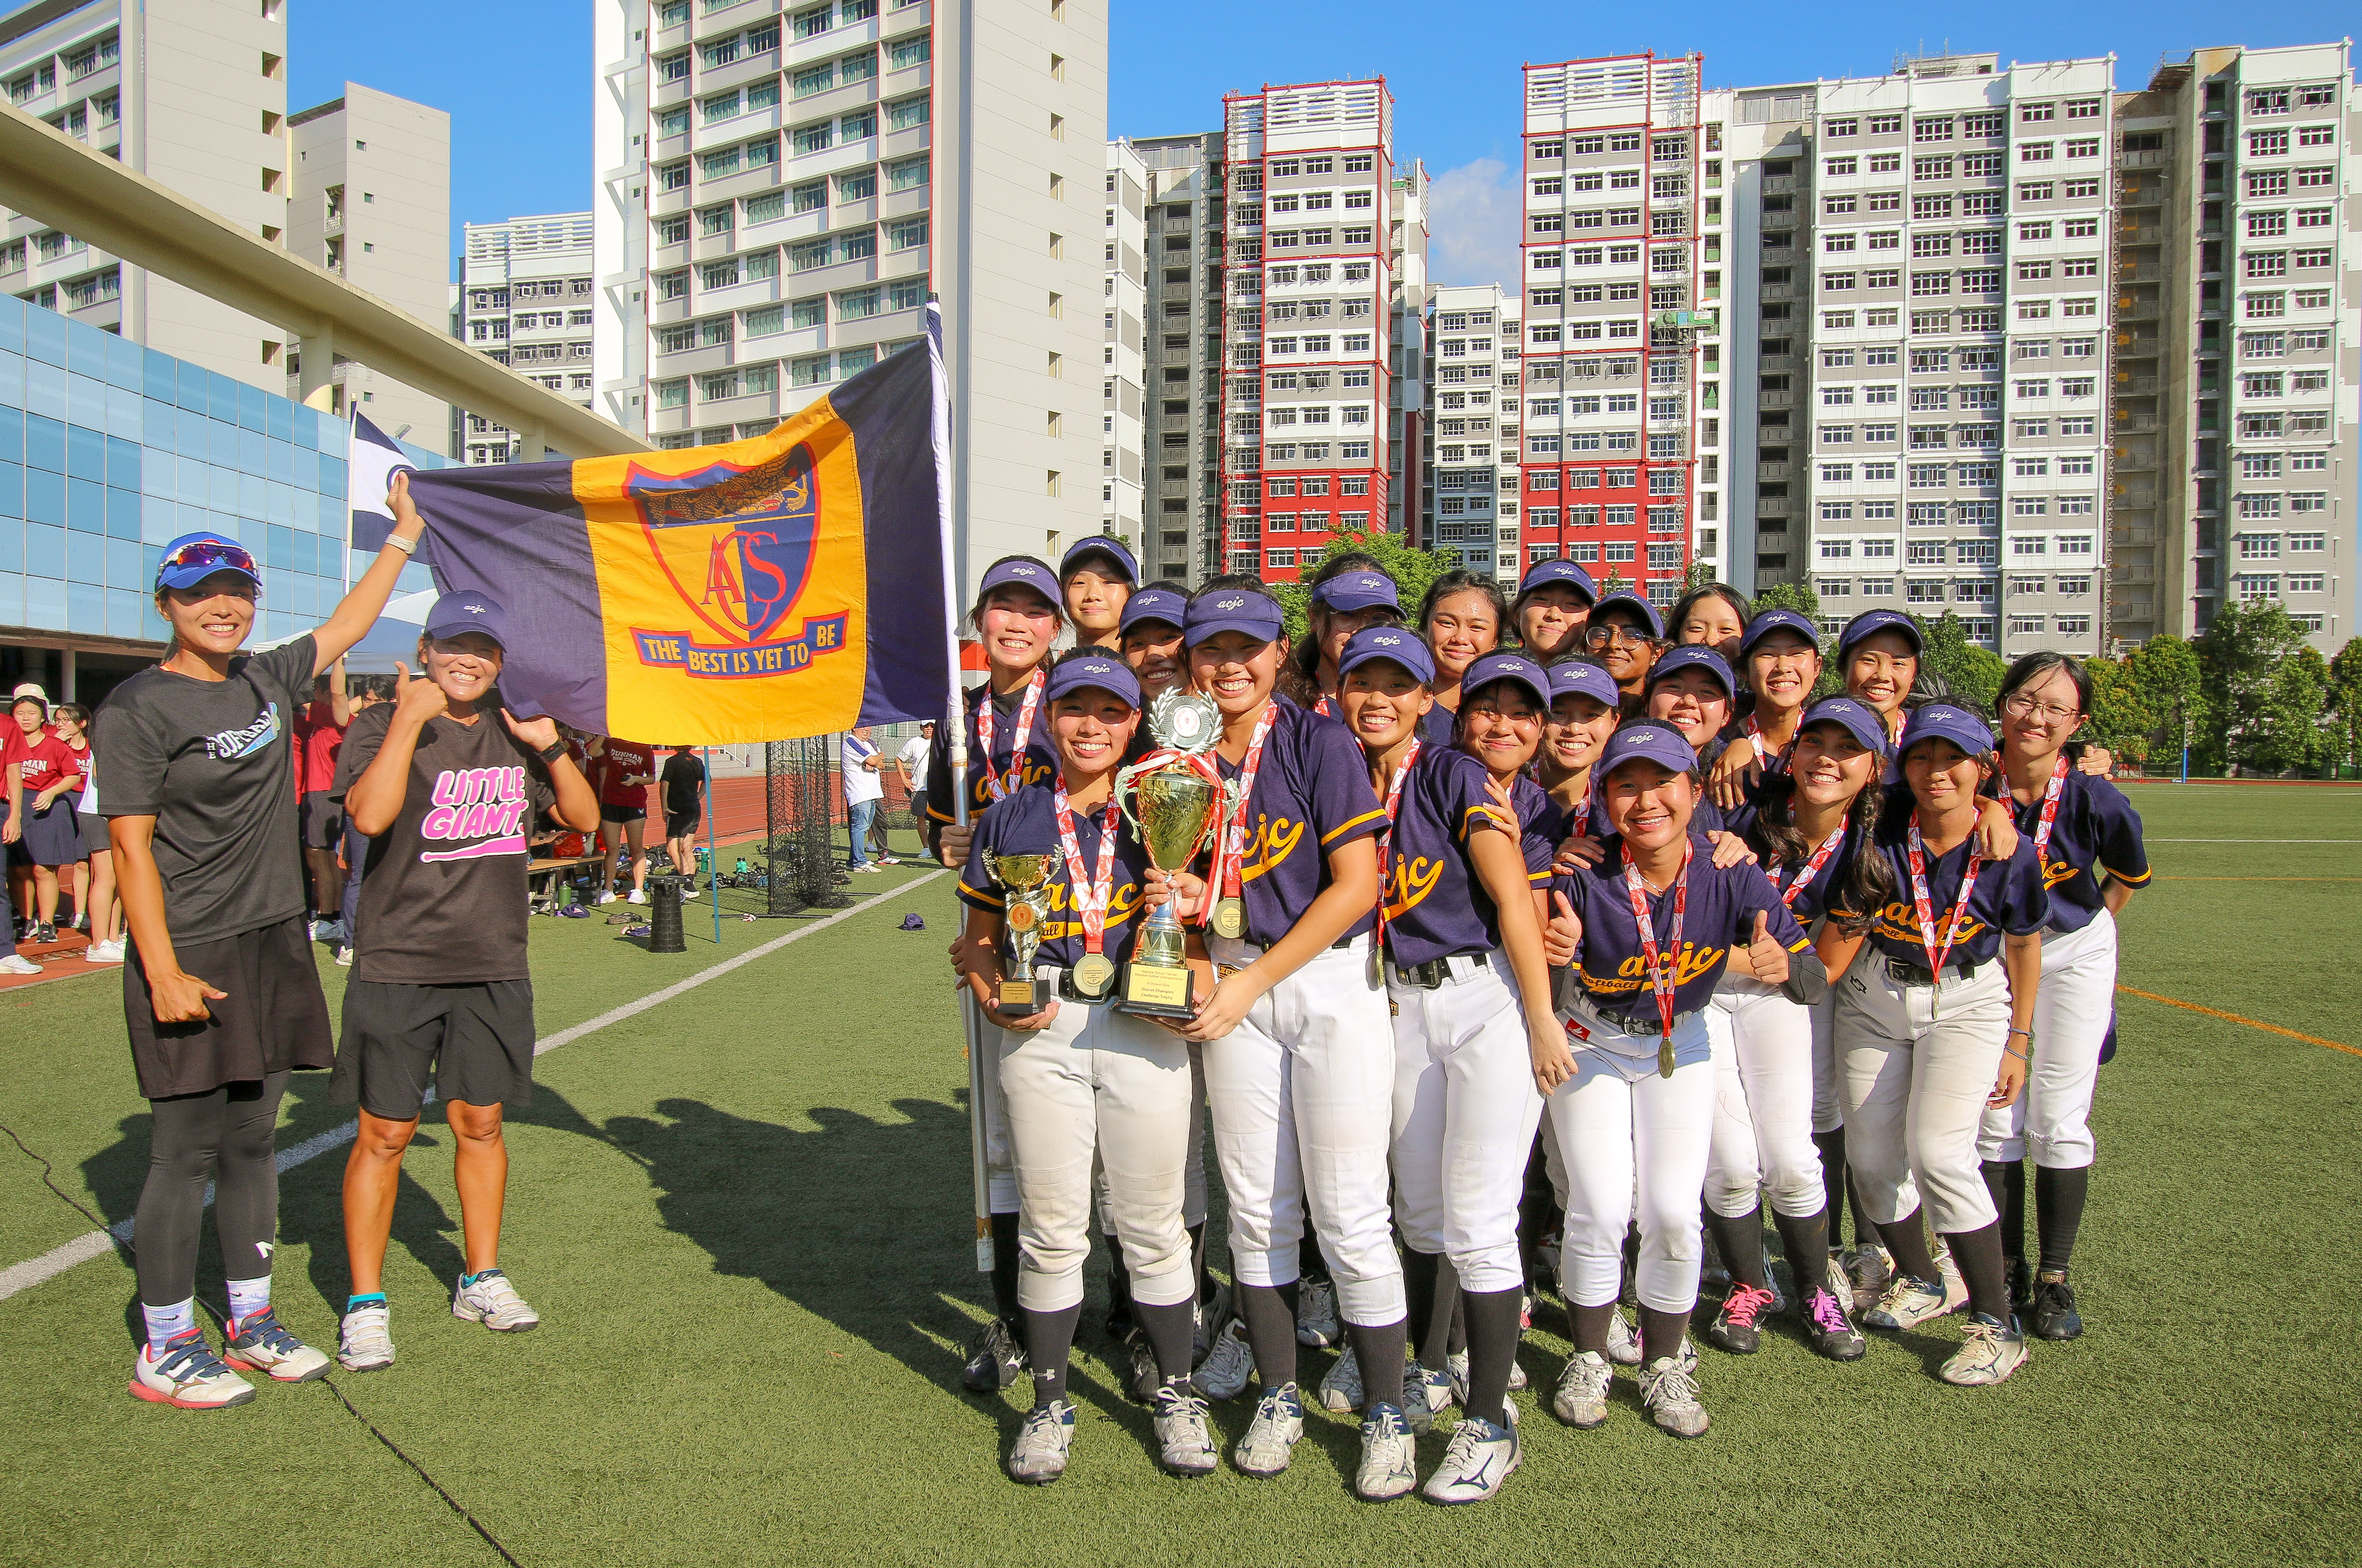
1633	1140
2052	1118
1098	1086
1193	1176
1763	1103
1302	1098
1915	1088
1464	1112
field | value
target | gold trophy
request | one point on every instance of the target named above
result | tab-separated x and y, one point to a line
1174	807
1027	880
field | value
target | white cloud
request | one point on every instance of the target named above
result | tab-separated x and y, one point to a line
1472	225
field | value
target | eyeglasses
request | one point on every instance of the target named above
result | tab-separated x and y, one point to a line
2020	705
213	554
1596	635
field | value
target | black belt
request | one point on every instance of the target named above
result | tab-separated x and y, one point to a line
1651	1027
1432	974
1919	974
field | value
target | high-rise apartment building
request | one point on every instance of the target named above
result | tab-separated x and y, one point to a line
1613	272
1124	348
192	93
369	199
775	208
1317	234
2237	317
525	299
1471	435
1181	352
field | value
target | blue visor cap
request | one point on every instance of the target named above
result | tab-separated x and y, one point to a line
1860	720
193	557
1099	544
1942	722
1231	609
1772	620
1640	606
1572	677
1077	672
467	611
1541	573
1023	571
1876	620
1693	656
1514	667
1660	743
1402	646
1155	604
1358	590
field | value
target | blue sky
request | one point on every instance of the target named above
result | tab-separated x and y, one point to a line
515	76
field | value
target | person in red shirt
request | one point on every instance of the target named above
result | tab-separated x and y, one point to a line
49	770
95	905
319	732
625	769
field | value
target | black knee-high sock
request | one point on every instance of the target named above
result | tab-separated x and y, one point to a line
1431	1328
1269	1314
1590	1324
1049	1336
1906	1238
1169	1329
1447	1284
1833	1180
1198	1261
1119	1276
1309	1261
1004	1265
1661	1333
1978	1254
2005	1181
1632	1254
1492	1348
2058	1197
1806	1240
1379	1348
1867	1232
1536	1224
1740	1241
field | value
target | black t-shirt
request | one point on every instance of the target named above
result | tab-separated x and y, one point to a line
212	762
443	890
683	776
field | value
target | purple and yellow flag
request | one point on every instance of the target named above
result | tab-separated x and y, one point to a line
788	584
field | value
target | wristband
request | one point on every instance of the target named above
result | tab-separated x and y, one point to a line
2027	1032
552	751
407	546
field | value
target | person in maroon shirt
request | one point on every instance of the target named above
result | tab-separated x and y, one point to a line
49	770
625	769
319	732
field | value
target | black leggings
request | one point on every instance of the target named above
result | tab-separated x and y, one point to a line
225	1136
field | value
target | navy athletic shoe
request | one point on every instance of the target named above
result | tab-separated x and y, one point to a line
2054	1314
994	1360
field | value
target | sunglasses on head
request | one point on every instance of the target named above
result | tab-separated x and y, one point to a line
213	554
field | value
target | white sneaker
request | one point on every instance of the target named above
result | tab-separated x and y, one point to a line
1990	1352
1956	1285
1039	1455
1582	1397
364	1343
345	958
1341	1390
690	891
1224	1373
1670	1390
1270	1437
1184	1441
189	1377
1388	1454
1481	1457
1316	1314
493	1301
16	963
260	1343
1907	1302
639	896
608	896
1623	1343
104	953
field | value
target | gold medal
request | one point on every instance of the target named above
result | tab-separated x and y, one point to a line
1231	917
1092	974
1665	1057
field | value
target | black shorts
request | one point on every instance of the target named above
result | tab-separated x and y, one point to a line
274	1018
324	821
92	829
474	1043
681	825
623	812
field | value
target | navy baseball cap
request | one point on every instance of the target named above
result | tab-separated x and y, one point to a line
1078	670
1541	573
1404	648
1693	656
193	557
1358	590
1942	722
467	611
1099	544
1860	720
1771	620
1574	677
1640	604
1231	609
1655	742
1023	571
1153	604
1515	667
1870	621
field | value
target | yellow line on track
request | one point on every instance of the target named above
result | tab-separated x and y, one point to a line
2235	1018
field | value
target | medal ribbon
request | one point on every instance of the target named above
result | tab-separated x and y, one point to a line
1230	849
1773	762
996	783
2049	807
1325	708
1924	908
1660	978
1385	840
1089	910
1812	867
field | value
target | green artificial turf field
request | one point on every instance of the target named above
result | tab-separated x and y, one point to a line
743	1214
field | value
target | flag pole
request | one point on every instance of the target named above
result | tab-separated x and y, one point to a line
712	855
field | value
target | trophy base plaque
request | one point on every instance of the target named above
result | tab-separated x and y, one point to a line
1156	990
1022	998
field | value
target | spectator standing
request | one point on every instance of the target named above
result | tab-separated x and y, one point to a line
368	691
12	824
684	805
911	761
319	731
626	771
49	840
94	888
864	788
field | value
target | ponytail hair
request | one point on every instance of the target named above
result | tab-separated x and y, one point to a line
1867	881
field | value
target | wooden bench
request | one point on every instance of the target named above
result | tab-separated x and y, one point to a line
555	869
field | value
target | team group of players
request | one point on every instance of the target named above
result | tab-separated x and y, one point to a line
1563	939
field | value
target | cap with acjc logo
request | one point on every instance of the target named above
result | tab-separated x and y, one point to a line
467	611
1389	642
